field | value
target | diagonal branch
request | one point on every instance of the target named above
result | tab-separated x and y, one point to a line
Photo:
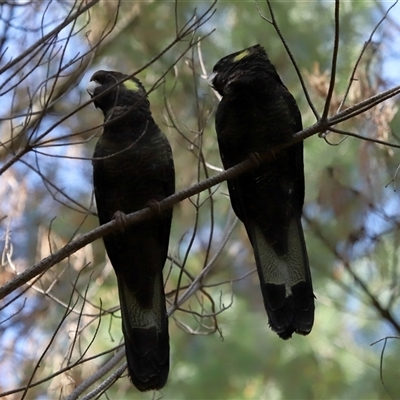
170	201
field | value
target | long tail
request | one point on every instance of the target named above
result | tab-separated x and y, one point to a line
145	328
285	282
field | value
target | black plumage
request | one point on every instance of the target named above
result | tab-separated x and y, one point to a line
256	113
133	167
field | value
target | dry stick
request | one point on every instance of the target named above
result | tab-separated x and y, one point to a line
384	312
334	64
394	23
194	286
98	375
172	200
111	226
61	371
121	353
55	31
381	370
385	339
274	23
200	164
363	106
197	282
36	116
367	139
199	185
146	213
47	348
366	44
81	208
47	143
186	30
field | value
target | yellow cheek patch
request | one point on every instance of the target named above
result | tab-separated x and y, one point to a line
131	85
241	55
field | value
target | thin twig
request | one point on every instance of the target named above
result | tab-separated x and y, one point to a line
334	63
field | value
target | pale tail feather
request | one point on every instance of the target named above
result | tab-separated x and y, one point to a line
146	337
285	282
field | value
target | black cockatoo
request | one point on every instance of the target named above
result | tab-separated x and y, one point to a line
256	113
133	167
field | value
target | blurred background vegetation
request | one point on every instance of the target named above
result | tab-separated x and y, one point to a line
61	327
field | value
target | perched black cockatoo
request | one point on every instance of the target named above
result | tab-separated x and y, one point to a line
256	113
133	168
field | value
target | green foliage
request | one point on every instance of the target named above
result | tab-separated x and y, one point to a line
351	213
